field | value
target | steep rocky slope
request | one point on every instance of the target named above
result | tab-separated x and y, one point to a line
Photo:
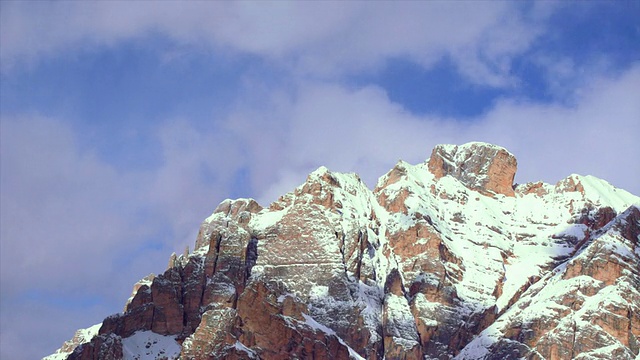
444	259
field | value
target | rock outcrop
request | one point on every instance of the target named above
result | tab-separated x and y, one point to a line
479	166
444	259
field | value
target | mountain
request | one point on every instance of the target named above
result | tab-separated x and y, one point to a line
447	259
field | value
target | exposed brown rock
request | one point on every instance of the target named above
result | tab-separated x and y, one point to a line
216	331
602	268
394	285
418	249
234	212
482	167
629	226
603	216
102	347
394	202
308	285
235	208
537	188
396	174
267	327
570	184
612	324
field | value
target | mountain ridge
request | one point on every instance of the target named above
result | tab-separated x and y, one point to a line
438	261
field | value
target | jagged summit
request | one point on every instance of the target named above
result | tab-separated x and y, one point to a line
480	166
441	260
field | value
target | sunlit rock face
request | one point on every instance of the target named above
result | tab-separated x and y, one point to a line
441	260
479	166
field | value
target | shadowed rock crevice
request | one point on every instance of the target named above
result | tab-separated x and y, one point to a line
251	257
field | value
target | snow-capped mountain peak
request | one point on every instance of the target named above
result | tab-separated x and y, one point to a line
443	259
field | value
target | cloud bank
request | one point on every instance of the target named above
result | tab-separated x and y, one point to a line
314	39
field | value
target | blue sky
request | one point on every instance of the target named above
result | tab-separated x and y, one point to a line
124	124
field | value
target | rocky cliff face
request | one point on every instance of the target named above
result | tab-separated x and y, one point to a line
442	260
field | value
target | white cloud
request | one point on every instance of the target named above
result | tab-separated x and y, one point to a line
49	198
363	131
73	228
198	170
596	135
66	220
318	39
64	208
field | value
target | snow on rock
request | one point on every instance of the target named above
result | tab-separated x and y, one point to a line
584	307
309	321
243	349
147	345
446	258
480	166
81	336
